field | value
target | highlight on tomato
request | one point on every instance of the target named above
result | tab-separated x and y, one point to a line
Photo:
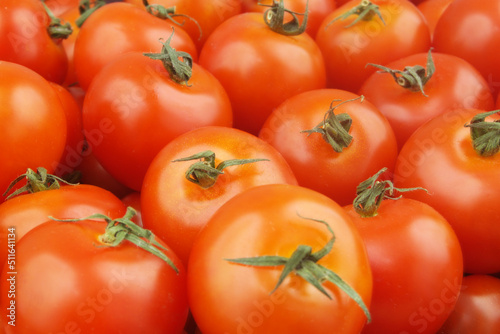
332	139
362	32
261	60
279	259
199	171
95	274
140	102
415	257
455	157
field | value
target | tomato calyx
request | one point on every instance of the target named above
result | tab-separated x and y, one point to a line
303	263
87	8
335	128
35	182
121	229
413	78
56	29
371	193
169	13
365	11
204	172
178	64
485	135
274	17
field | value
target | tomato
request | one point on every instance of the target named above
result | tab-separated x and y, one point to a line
432	11
278	221
118	28
176	209
32	123
260	68
404	238
26	39
316	163
478	307
463	185
133	108
71	278
467	29
317	10
453	84
347	46
198	18
24	212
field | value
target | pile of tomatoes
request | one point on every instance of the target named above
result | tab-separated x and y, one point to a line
249	167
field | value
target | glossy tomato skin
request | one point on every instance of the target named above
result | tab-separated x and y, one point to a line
260	68
347	50
133	109
67	280
468	29
313	161
417	266
32	123
478	307
207	14
264	220
463	186
118	28
25	212
454	84
432	11
317	11
24	39
176	209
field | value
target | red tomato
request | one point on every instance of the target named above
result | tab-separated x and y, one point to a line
175	209
463	185
118	28
468	29
347	46
260	68
432	11
24	212
32	123
454	84
276	220
69	278
317	10
313	160
133	108
404	239
199	18
25	39
478	307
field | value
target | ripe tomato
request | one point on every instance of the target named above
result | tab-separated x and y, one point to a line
198	16
315	163
118	28
463	185
317	10
347	46
276	220
25	39
70	278
453	84
175	209
468	29
260	68
133	108
24	212
478	307
32	123
404	239
432	11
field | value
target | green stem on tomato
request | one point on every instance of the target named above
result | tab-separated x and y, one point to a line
485	135
56	28
274	17
87	8
204	172
365	11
